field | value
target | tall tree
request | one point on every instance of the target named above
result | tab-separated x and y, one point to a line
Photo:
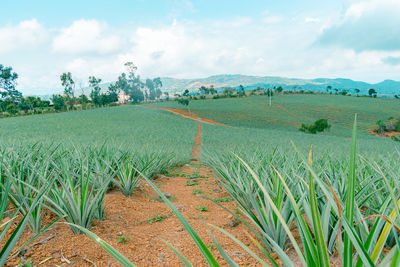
157	87
133	86
69	85
95	93
279	89
328	88
372	92
113	91
150	86
8	81
241	91
212	90
204	90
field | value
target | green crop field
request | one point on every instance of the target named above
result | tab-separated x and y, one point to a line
125	127
289	111
258	125
67	162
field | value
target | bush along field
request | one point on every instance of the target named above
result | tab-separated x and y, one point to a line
319	200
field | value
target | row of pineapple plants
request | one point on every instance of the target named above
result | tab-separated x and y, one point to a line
70	182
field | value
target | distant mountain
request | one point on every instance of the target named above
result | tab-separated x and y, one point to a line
385	88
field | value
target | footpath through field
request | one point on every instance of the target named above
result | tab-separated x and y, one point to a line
189	115
288	111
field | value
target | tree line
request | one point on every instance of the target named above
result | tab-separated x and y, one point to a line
12	102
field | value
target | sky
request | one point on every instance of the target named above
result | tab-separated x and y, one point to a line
352	39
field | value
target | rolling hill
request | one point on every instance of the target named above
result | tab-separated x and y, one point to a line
385	88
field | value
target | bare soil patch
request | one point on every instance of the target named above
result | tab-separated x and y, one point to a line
197	145
385	134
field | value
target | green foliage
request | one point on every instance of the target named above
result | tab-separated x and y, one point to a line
95	93
183	101
372	92
197	191
318	126
396	137
154	86
224	199
68	83
59	102
12	109
391	125
131	84
204	90
6	188
157	218
228	91
27	263
69	87
191	183
8	81
78	197
201	208
123	239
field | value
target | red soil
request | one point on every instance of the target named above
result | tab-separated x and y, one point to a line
385	134
197	144
189	115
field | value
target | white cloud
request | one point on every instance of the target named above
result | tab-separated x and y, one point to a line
368	25
26	35
361	8
269	46
273	19
86	36
312	20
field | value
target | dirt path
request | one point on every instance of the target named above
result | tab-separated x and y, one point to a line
197	145
189	115
279	106
134	224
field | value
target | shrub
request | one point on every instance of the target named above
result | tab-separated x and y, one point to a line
12	109
391	125
396	138
318	126
397	124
